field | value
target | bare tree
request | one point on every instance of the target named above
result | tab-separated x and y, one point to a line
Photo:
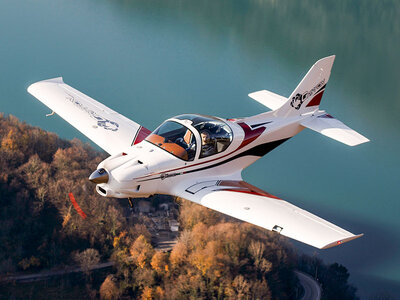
87	259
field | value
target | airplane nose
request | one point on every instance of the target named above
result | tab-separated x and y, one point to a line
99	176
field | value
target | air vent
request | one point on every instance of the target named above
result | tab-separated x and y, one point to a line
102	190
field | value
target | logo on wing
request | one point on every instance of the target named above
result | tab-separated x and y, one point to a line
101	121
105	123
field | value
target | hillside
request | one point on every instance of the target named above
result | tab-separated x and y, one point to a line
215	256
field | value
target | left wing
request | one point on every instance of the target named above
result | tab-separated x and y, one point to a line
248	203
110	130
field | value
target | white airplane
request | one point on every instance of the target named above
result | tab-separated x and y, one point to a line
201	158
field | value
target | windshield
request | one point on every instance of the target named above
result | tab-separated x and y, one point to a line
176	139
215	135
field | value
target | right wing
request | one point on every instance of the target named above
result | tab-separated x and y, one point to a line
108	129
248	203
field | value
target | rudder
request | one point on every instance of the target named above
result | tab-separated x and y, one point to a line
307	95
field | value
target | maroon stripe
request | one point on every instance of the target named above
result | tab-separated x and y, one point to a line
259	150
185	167
316	100
326	116
142	134
249	134
250	192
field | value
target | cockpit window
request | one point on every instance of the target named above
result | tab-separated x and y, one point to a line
176	139
215	135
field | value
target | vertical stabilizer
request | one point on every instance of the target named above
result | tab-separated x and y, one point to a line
307	95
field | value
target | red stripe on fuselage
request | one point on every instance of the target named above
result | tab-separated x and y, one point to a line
249	136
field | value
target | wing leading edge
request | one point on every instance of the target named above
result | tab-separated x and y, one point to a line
108	129
248	203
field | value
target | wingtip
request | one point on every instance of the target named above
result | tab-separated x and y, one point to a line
362	140
339	242
31	88
326	59
57	80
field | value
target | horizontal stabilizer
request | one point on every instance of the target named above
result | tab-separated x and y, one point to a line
333	128
269	99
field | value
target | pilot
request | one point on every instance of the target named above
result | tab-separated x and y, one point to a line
207	145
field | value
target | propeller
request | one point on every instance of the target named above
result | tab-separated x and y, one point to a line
99	176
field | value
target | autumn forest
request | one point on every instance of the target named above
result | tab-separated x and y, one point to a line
215	257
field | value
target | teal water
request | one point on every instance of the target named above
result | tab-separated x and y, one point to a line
154	59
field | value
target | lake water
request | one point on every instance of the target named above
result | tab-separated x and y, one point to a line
153	59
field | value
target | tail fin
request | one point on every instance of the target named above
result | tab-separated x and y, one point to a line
307	95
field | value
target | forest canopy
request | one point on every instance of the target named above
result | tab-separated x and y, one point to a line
215	257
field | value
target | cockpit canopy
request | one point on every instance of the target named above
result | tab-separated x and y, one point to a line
180	141
215	134
174	138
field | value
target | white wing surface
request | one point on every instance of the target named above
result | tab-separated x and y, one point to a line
269	99
248	203
333	128
110	130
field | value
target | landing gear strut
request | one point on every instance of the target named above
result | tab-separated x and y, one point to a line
130	202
